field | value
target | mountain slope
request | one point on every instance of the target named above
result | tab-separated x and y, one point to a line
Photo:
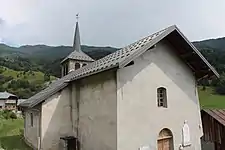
22	83
216	44
214	51
44	58
48	52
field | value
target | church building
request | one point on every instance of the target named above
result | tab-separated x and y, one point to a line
141	97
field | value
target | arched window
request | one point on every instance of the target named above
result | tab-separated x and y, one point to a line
65	69
31	119
162	97
77	66
165	140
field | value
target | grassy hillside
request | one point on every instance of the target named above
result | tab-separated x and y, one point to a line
209	99
24	84
11	137
31	76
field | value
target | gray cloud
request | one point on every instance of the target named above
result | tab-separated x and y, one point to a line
106	22
1	21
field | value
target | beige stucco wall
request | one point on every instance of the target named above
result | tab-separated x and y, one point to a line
139	119
56	120
31	133
97	111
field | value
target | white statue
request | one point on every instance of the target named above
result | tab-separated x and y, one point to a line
144	148
186	138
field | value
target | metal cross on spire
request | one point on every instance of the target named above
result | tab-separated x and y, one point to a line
77	16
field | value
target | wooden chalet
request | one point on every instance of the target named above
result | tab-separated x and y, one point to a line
213	121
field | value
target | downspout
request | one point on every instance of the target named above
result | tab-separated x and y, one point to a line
40	126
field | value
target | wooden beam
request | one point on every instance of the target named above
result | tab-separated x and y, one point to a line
187	54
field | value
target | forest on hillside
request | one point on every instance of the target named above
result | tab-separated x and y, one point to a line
26	70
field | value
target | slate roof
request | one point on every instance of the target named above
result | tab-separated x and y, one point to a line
75	55
5	95
117	59
20	101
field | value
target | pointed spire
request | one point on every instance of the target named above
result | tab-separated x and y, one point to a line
76	43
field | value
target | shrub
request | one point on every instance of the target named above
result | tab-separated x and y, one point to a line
7	114
13	115
220	87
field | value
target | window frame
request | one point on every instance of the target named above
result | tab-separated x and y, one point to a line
76	66
162	97
31	119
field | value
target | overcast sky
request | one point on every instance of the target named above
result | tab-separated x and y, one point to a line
106	22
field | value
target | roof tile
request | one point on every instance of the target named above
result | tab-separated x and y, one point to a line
218	114
78	56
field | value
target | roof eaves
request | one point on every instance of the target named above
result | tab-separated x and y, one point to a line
198	53
64	60
215	115
36	102
23	104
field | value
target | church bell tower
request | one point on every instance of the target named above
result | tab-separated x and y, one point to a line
77	58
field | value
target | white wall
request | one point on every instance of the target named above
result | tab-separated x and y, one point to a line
56	119
31	133
97	112
139	119
2	103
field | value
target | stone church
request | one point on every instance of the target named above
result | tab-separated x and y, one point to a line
141	97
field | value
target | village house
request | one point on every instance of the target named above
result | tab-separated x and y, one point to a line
143	96
8	101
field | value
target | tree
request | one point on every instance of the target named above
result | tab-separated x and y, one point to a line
220	87
2	89
46	77
13	115
1	69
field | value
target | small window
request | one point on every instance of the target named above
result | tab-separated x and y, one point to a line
65	69
77	66
162	97
84	65
31	119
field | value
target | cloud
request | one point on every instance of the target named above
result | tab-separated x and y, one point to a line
107	22
1	21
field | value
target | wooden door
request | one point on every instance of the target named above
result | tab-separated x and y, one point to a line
160	144
164	144
165	140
